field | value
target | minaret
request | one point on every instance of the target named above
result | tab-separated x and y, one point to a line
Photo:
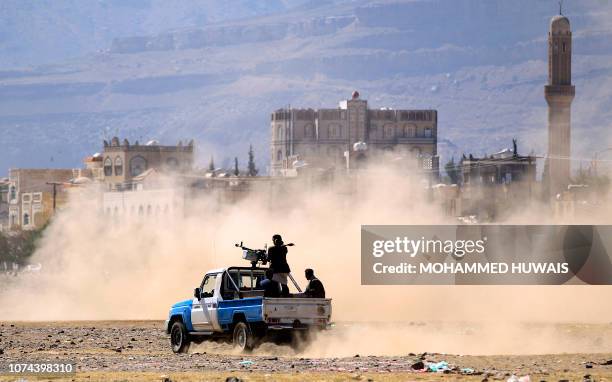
559	95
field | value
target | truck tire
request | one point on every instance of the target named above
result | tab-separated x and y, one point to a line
243	337
179	338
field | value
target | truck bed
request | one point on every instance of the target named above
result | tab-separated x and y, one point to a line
280	313
277	313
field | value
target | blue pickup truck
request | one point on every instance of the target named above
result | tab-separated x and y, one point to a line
229	305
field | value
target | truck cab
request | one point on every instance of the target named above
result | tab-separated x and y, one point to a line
229	304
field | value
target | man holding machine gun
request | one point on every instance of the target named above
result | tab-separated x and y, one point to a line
277	255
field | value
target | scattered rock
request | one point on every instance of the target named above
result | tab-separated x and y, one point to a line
233	379
419	365
589	365
607	363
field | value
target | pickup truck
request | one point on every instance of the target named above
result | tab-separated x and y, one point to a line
229	305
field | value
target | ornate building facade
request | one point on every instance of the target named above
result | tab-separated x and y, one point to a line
122	161
327	138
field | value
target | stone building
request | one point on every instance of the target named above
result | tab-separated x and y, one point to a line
503	167
325	138
492	186
122	161
559	93
4	187
32	195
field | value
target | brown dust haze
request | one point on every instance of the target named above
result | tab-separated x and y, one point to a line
98	267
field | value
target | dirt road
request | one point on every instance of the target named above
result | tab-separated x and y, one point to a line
139	350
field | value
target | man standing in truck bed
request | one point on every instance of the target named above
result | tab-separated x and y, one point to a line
277	255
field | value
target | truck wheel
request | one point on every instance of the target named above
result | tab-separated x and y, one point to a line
179	338
243	338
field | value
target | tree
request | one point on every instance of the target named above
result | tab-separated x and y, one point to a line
452	171
236	170
211	165
252	170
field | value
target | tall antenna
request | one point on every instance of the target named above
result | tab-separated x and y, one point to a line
561	7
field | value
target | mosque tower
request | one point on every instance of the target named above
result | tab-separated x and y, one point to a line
559	93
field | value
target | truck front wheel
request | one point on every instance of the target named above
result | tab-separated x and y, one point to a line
179	338
243	338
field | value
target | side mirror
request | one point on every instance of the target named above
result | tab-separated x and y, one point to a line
197	293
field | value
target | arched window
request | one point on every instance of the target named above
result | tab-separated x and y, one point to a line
279	133
335	131
149	210
138	165
279	155
309	131
108	167
118	166
140	210
388	131
26	219
13	193
116	211
428	132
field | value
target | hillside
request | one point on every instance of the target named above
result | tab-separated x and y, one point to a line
140	70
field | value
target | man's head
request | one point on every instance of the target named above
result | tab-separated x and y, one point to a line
277	240
269	273
309	273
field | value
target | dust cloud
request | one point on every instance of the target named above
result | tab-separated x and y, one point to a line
99	267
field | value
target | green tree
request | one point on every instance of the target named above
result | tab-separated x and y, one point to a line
236	170
252	170
452	171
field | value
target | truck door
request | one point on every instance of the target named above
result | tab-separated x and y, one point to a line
200	316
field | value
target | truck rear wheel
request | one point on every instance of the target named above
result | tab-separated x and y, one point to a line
179	338
243	337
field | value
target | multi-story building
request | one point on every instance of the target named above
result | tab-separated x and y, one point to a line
328	138
122	161
33	194
4	187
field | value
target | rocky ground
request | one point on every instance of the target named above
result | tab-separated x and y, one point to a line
139	350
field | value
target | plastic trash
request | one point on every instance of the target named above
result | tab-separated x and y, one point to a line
246	362
525	379
467	370
438	366
513	378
